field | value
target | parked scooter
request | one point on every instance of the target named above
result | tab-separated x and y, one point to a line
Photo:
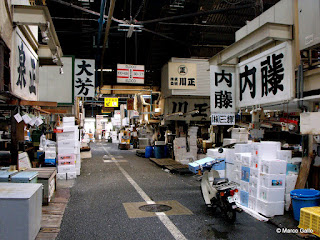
218	192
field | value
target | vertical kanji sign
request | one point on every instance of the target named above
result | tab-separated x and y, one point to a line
266	78
84	78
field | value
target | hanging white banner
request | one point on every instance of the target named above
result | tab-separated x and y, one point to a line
84	78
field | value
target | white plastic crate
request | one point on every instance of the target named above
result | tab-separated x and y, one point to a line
252	202
273	166
244	186
272	180
271	194
254	173
270	209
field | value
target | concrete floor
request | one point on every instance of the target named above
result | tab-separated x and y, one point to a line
96	207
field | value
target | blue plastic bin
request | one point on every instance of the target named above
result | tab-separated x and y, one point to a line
304	198
149	152
159	151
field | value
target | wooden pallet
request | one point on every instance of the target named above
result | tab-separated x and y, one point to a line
171	164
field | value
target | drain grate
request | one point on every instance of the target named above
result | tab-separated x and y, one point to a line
155	208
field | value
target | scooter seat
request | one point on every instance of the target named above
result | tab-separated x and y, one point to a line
218	181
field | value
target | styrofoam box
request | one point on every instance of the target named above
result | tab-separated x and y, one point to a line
70	156
72	128
242	148
78	170
268	150
244	198
255	162
66	162
295	160
50	155
253	191
270	209
291	180
61	176
273	166
230	155
253	182
254	173
236	197
66	168
229	171
67	151
246	159
237	176
252	203
285	155
71	175
244	186
272	180
237	166
287	201
66	136
67	144
271	194
68	119
213	152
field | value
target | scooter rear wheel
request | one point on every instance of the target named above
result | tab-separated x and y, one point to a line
230	214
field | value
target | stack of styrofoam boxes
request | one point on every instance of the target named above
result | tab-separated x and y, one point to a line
293	165
68	144
271	180
50	153
230	155
114	137
192	142
245	159
240	134
180	149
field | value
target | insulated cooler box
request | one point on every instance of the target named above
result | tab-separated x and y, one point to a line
25	177
20	210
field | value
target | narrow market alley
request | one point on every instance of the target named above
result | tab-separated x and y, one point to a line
105	201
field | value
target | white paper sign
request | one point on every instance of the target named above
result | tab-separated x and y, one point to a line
18	117
38	122
84	78
222	119
127	73
26	118
266	78
33	121
182	75
222	89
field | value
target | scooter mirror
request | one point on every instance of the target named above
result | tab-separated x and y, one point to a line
220	150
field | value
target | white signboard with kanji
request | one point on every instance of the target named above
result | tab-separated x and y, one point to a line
127	73
222	89
182	75
84	78
184	108
222	119
266	78
25	69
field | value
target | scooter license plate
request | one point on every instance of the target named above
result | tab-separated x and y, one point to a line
230	199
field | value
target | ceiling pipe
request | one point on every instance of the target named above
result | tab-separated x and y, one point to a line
109	20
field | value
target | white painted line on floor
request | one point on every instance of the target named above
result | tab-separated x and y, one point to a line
162	216
112	161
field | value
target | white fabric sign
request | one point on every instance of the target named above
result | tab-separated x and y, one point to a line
222	89
182	75
84	78
25	69
127	73
266	78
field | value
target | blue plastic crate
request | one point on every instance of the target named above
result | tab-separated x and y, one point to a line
204	162
50	161
245	174
244	198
